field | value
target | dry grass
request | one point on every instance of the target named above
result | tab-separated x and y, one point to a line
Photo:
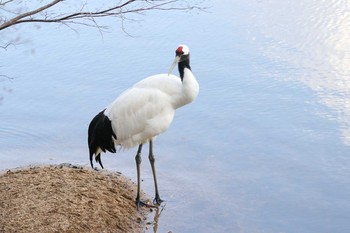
66	198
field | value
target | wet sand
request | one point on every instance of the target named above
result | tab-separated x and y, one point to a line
68	198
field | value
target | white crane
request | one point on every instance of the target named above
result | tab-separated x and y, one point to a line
141	113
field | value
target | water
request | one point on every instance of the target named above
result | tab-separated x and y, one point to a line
264	148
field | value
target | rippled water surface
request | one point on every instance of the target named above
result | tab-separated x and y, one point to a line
264	148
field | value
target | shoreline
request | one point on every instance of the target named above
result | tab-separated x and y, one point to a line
66	197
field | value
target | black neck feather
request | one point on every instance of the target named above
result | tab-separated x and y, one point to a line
182	65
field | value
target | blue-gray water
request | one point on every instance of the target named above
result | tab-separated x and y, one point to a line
264	148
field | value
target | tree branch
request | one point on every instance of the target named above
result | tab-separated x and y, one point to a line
17	19
4	3
117	10
82	15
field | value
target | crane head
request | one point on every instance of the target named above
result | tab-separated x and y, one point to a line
182	53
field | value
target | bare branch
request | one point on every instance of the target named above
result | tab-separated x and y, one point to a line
115	11
5	76
5	2
24	15
6	46
82	15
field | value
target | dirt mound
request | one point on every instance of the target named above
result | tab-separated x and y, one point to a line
67	198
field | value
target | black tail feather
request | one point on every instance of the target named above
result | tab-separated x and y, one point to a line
98	159
91	155
100	135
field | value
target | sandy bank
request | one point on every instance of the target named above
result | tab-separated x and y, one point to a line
67	198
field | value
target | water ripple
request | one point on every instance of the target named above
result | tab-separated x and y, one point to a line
315	46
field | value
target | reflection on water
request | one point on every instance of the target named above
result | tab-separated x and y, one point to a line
316	43
156	218
264	148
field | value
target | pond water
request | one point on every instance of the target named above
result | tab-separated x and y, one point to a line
264	148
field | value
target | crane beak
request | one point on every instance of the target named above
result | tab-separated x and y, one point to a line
176	61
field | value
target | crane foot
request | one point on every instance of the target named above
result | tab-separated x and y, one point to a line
140	203
157	201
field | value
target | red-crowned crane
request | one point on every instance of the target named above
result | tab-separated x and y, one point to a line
141	113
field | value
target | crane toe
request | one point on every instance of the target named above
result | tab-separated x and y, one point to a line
157	200
140	203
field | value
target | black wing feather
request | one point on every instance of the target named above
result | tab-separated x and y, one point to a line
100	135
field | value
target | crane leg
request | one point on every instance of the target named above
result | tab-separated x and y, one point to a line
157	200
138	162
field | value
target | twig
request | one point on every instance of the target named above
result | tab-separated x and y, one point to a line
5	76
4	3
118	10
29	13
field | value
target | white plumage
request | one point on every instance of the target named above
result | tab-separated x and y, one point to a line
147	109
142	112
